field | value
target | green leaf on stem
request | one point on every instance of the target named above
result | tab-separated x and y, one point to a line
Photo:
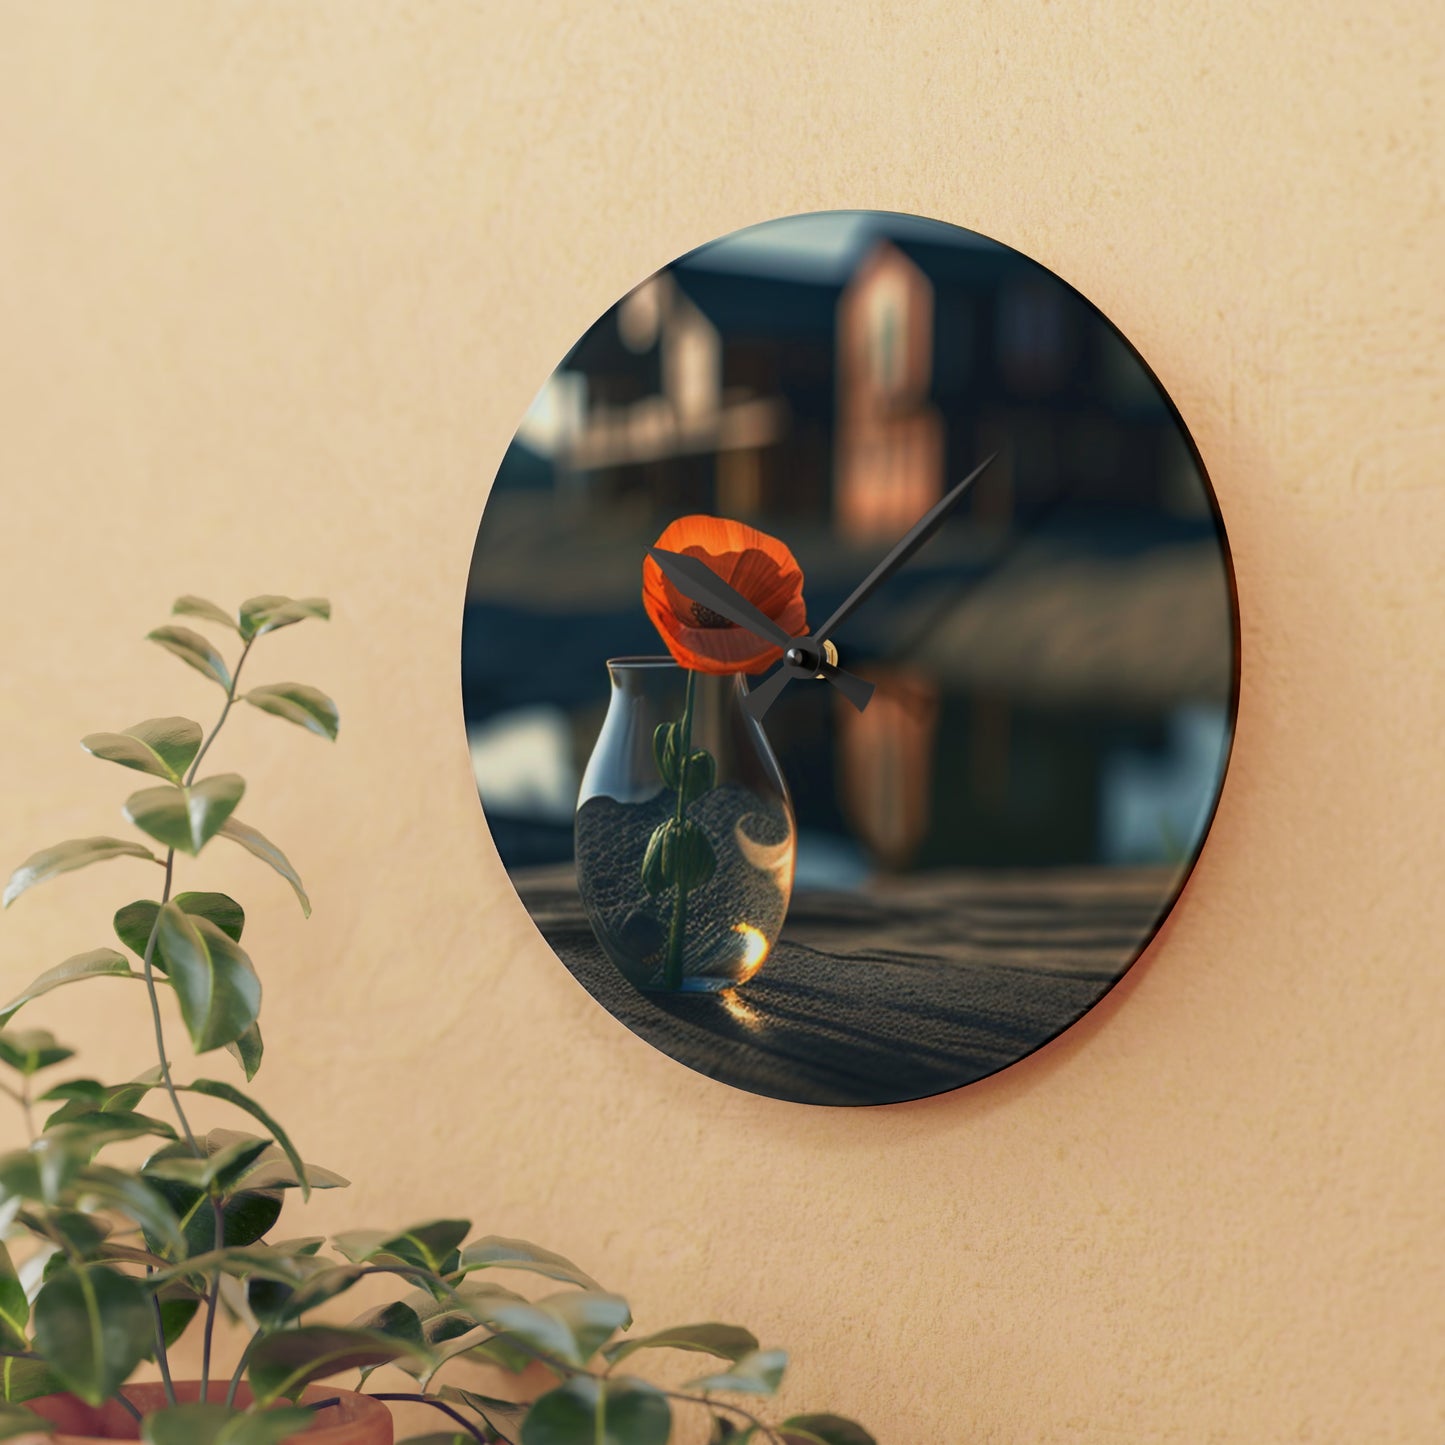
215	1089
823	1430
186	818
262	848
198	607
247	1051
93	1326
698	776
589	1411
501	1417
134	922
665	749
98	963
727	1342
494	1251
305	706
30	1050
214	980
22	1380
571	1326
67	856
84	1095
14	1306
133	1197
245	1216
218	1424
426	1246
757	1373
220	1169
269	612
161	746
282	1364
194	650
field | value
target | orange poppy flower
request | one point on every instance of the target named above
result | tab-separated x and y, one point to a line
758	566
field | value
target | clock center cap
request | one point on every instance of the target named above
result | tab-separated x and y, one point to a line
810	659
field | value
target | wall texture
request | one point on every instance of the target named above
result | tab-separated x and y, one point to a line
277	282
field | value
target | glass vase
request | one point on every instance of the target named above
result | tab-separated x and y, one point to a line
685	836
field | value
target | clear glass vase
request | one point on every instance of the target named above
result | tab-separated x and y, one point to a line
685	835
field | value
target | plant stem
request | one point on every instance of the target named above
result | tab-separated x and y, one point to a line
129	1408
230	698
240	1370
676	931
704	1400
474	1431
156	1011
161	1357
212	1295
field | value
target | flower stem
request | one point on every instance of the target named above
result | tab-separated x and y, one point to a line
677	929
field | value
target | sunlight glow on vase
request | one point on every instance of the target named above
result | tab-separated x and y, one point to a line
733	919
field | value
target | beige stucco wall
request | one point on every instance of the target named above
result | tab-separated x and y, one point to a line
278	280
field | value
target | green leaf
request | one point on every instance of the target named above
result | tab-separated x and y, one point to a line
214	1089
247	1051
223	1168
83	1095
93	1326
192	648
570	1326
823	1430
98	963
199	607
698	776
502	1417
136	1199
268	612
757	1373
727	1342
654	880
494	1251
162	746
16	1421
134	922
27	1380
305	706
262	848
665	751
696	861
216	1424
283	1364
67	856
30	1050
14	1306
90	1131
245	1216
427	1246
214	980
589	1411
186	818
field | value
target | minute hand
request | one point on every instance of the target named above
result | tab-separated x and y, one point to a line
922	530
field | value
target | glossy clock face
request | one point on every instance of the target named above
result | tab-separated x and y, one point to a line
901	879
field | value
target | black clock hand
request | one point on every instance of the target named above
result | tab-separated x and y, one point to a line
802	657
762	697
921	531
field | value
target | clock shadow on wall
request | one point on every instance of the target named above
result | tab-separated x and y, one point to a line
983	851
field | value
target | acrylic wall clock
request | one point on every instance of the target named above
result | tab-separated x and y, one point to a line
849	660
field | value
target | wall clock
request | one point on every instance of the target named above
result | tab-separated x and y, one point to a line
850	658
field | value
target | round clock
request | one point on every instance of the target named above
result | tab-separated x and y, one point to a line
850	658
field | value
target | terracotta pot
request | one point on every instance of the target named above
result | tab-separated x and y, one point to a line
353	1420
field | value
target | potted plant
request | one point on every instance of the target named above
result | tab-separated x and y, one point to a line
104	1267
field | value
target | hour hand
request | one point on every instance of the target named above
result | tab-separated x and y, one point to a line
694	578
802	656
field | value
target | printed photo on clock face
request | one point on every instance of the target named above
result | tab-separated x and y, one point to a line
931	837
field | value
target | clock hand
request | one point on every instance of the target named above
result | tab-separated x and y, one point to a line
802	656
762	697
921	531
